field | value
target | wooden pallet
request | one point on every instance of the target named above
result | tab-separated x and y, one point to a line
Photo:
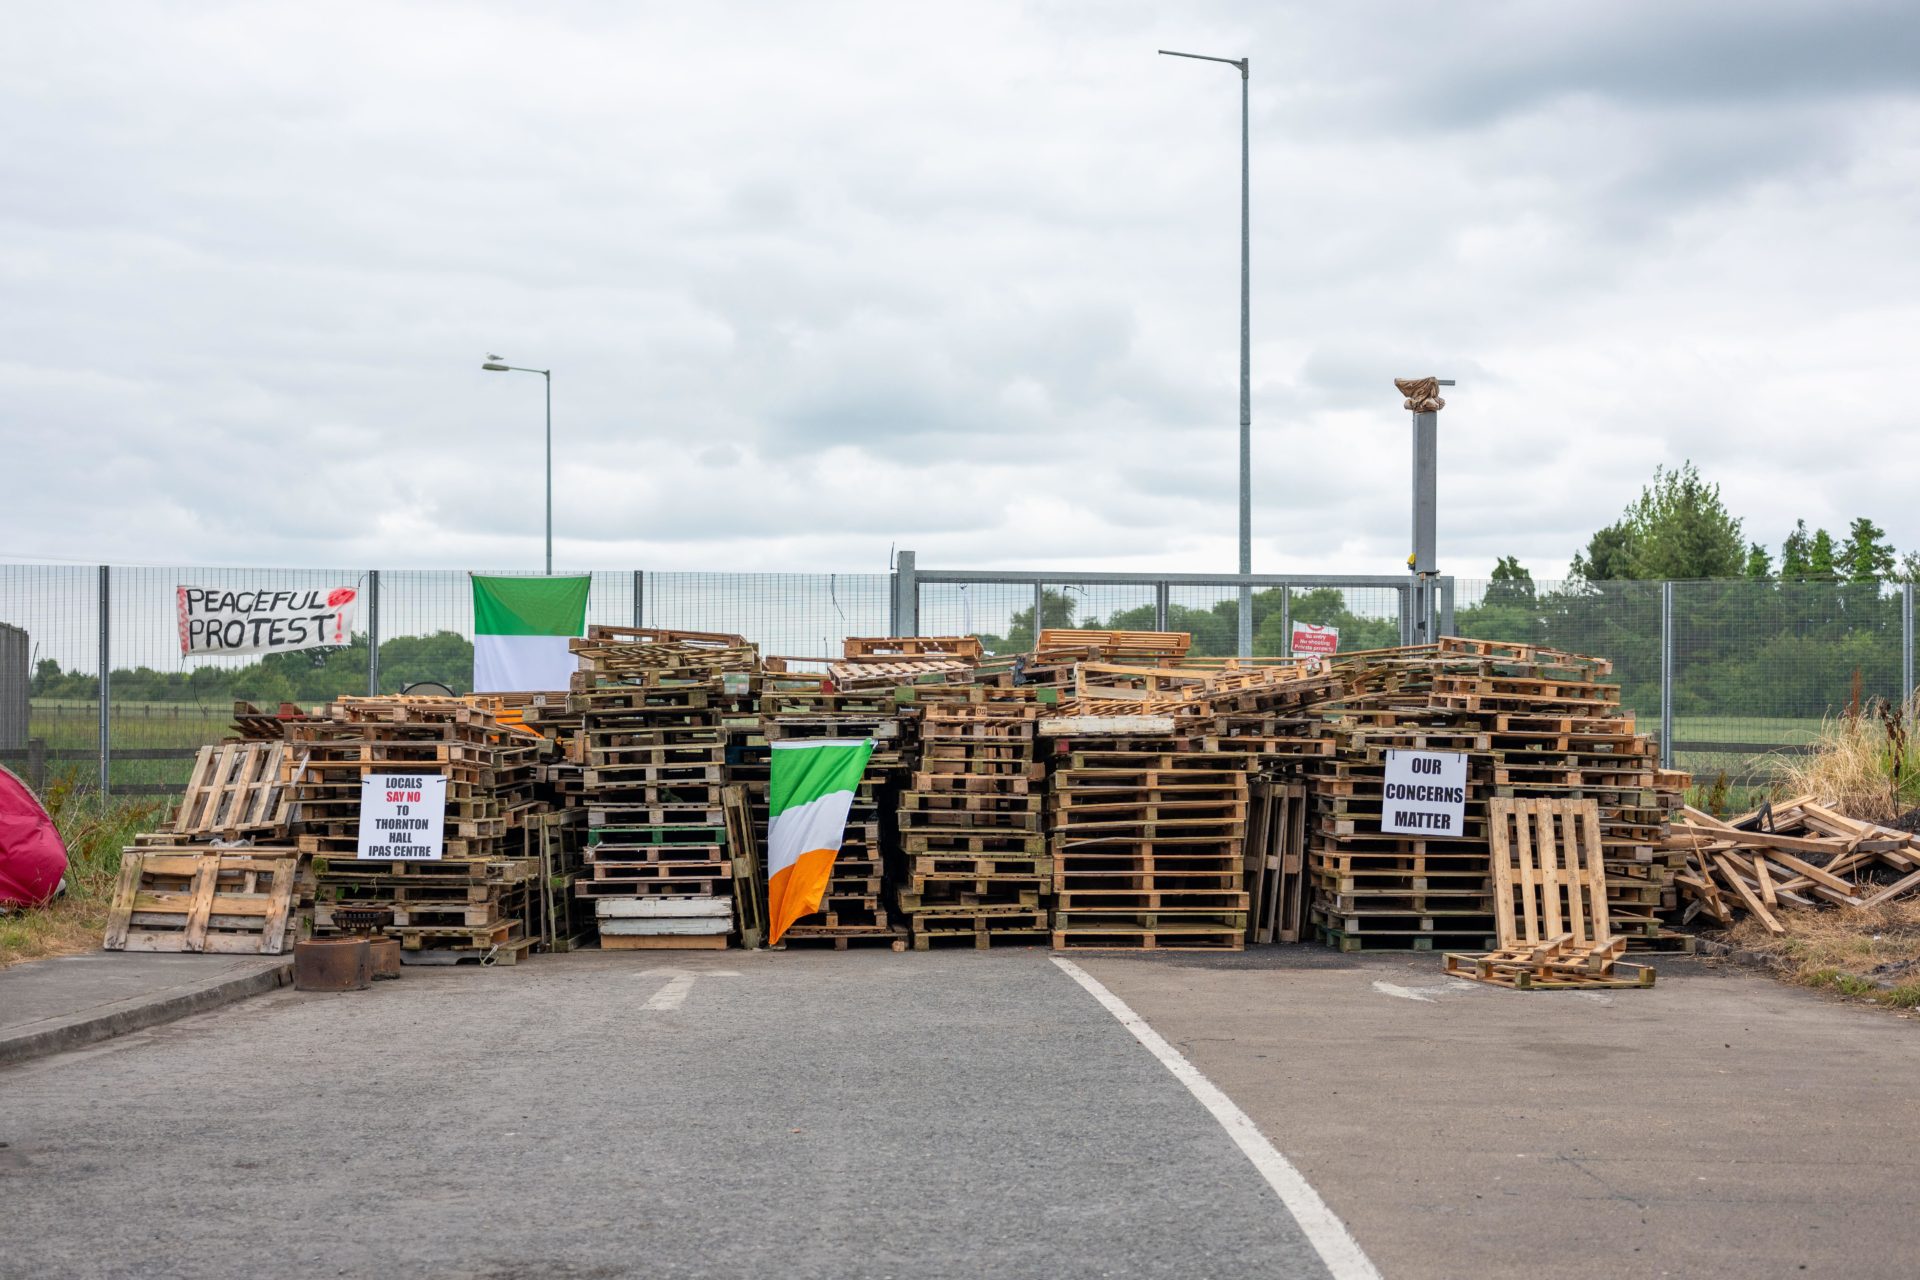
238	788
1276	860
1550	903
196	899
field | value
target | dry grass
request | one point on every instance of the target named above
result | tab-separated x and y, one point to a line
1867	764
1873	954
95	834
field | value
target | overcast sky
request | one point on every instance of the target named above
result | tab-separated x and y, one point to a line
820	280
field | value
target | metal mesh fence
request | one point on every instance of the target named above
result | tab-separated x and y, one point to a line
1744	668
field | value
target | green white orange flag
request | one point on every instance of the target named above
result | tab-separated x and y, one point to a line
520	632
811	791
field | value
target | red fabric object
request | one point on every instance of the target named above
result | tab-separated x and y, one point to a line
32	855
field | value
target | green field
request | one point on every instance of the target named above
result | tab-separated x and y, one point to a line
136	726
1785	730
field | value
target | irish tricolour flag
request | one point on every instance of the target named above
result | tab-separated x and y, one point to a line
520	631
812	789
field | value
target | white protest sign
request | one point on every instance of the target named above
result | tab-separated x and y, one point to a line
1312	638
215	620
403	816
1426	794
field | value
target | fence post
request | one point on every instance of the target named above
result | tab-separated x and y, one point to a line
639	598
1666	675
37	764
1446	606
1039	607
906	596
1906	642
106	681
1162	605
1286	622
373	633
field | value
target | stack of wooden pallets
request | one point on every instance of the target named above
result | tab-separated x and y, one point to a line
1148	836
1533	724
474	902
854	910
655	707
974	866
885	662
1134	648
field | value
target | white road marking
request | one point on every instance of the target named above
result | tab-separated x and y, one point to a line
1329	1236
679	983
1405	993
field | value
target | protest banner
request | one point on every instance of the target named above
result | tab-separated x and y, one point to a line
216	621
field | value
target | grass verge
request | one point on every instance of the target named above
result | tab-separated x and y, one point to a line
95	833
1873	955
1867	764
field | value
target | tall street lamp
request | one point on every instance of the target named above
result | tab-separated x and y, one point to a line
1246	386
495	365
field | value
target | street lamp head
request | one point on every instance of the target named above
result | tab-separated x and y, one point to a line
496	366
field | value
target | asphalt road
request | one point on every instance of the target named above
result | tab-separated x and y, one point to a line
1720	1125
820	1114
971	1114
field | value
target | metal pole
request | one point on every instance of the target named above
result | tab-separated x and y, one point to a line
906	595
1162	606
1245	627
1906	643
1666	675
639	597
1286	622
106	681
373	633
548	375
1446	606
1425	506
1246	387
1039	605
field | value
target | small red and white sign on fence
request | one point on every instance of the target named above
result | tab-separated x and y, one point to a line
1311	638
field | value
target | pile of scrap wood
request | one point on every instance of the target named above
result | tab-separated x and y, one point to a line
1795	853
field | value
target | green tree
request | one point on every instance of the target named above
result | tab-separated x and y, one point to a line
1794	564
1820	562
1609	555
1512	584
1678	528
1866	556
1759	563
1056	610
46	677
